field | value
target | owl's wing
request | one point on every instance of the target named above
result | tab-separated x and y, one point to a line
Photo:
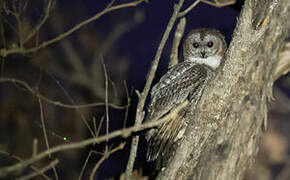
181	83
174	88
171	75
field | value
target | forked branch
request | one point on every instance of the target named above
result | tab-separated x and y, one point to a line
5	52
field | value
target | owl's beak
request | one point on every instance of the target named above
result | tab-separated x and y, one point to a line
203	54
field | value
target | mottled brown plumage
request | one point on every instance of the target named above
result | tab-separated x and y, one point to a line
203	53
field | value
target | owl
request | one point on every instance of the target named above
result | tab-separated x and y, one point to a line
181	87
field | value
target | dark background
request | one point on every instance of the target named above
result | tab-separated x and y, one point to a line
127	40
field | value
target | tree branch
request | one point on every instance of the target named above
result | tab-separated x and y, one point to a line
4	171
106	155
40	24
5	52
219	3
183	13
41	171
144	94
37	170
56	103
176	41
222	136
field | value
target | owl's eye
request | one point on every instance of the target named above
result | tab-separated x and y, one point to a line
195	45
210	44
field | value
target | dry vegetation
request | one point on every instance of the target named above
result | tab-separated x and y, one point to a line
65	104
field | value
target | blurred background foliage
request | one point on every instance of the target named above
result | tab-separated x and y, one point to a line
70	71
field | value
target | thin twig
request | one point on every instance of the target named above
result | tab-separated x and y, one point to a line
94	125
116	33
151	75
39	25
75	145
111	4
128	104
183	13
20	159
41	171
34	147
4	52
20	32
106	155
85	164
43	125
73	102
57	103
176	41
52	133
45	134
219	4
17	14
106	98
100	126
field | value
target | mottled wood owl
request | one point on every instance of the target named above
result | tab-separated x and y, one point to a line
203	51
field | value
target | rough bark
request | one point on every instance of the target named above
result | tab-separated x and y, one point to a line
222	139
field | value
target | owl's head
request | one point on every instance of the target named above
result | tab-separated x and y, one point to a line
204	46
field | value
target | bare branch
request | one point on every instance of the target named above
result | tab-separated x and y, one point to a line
106	155
4	52
45	133
34	146
176	41
219	3
75	145
216	3
222	138
150	76
85	164
80	74
20	159
57	103
42	21
128	105
119	30
17	15
183	13
43	124
106	98
111	3
41	171
100	126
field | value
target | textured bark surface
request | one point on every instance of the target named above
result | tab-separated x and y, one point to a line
222	140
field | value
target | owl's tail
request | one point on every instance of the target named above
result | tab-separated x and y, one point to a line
161	139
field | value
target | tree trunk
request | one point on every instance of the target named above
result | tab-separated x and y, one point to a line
222	138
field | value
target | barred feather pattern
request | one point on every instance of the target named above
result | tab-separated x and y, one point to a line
183	82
